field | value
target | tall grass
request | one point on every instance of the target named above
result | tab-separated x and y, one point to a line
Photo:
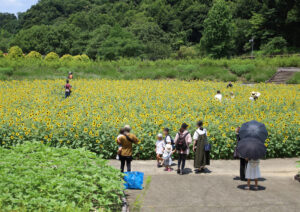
250	70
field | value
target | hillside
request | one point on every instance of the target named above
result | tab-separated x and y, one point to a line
154	29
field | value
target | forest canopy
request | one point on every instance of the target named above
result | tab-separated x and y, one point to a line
154	29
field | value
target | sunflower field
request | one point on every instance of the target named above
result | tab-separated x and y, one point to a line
91	117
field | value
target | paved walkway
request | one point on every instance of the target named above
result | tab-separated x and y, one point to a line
217	190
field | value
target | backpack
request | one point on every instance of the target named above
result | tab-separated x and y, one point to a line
172	141
181	143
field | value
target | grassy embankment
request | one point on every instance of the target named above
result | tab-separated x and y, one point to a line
257	70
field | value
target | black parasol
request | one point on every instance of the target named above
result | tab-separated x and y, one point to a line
254	129
251	148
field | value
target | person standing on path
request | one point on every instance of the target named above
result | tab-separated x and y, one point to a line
201	156
243	162
168	138
182	141
126	142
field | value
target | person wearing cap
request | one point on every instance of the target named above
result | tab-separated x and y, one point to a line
167	156
254	96
182	141
126	142
159	149
70	75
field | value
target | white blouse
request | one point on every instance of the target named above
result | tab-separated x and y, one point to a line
199	132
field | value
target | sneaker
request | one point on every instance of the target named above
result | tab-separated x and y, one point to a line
158	165
181	172
178	171
169	169
166	169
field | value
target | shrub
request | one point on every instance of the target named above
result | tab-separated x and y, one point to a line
52	56
36	177
242	69
277	45
66	57
186	53
15	52
34	55
85	58
1	54
8	71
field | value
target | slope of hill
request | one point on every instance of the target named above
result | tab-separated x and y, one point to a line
153	29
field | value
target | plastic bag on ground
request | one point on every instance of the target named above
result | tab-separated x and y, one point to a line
134	180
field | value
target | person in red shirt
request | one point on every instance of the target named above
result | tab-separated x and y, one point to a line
68	88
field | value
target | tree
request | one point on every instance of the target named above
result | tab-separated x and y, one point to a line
277	45
217	40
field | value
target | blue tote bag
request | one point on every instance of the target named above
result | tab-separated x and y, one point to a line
134	180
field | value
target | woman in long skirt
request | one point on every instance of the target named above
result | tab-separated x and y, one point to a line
201	156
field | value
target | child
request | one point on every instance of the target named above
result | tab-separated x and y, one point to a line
159	148
122	131
167	156
252	173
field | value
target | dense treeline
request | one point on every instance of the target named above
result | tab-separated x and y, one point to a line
154	29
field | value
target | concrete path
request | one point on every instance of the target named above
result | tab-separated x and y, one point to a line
218	189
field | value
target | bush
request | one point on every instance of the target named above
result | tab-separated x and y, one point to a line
66	57
186	53
1	54
34	55
83	58
8	71
240	70
15	52
52	56
35	177
277	45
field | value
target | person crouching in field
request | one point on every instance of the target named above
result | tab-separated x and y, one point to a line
68	88
159	149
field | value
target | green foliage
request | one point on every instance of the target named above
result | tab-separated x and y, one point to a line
257	70
35	177
15	52
277	45
66	57
83	58
161	27
240	70
186	53
52	56
34	55
217	38
1	54
295	79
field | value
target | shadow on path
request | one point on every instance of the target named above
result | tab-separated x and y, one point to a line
260	188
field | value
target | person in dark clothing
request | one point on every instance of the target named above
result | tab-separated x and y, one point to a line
182	141
68	88
243	161
230	85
